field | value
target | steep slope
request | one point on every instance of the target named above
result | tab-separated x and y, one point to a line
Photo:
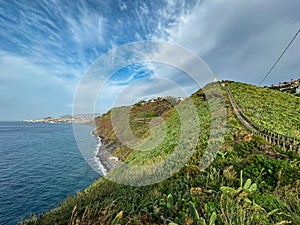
276	111
249	182
139	115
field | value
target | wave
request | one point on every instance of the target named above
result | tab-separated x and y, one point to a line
101	167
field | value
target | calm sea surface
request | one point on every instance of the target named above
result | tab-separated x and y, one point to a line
40	165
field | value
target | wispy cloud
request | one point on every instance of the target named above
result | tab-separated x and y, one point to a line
238	39
69	37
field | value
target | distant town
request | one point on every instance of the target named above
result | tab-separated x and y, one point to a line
81	118
291	87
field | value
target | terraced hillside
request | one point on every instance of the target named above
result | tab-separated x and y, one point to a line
277	111
140	116
248	182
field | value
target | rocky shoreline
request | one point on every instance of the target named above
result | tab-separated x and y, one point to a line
107	160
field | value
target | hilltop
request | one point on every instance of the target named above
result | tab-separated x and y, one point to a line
252	179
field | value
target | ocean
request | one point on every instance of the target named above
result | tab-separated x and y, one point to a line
40	165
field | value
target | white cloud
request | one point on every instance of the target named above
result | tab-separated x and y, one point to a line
53	44
27	91
240	40
87	28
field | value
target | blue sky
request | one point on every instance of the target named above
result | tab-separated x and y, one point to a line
47	46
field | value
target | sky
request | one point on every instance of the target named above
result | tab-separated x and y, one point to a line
48	47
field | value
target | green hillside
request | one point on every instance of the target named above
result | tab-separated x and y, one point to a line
249	181
277	111
140	116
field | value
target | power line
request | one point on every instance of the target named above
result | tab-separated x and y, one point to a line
279	58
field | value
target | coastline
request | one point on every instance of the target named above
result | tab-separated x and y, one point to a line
107	161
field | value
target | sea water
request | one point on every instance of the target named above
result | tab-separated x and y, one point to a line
41	164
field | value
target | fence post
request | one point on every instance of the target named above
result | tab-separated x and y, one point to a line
283	145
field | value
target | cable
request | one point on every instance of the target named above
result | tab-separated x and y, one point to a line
279	58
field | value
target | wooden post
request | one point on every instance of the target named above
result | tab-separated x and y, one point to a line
274	141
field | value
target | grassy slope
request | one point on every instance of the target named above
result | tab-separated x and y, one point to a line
220	194
277	111
140	114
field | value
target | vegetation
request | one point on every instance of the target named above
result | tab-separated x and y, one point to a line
248	182
140	116
276	111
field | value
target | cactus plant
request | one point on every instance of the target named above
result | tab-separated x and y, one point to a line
170	204
197	219
213	218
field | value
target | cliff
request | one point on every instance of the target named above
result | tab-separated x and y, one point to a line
249	180
139	117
